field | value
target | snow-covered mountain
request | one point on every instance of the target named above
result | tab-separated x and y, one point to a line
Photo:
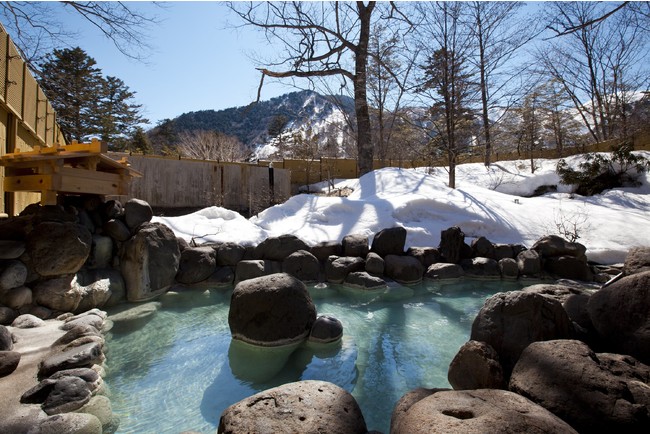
268	126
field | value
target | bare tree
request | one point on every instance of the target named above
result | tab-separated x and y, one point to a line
389	67
211	145
446	81
599	63
321	40
36	30
497	36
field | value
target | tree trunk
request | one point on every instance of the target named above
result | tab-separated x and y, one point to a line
364	136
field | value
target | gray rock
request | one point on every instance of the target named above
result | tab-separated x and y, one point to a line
100	407
9	361
103	287
101	252
68	394
17	298
326	329
592	392
250	269
302	265
7	315
510	321
221	277
568	267
509	268
137	212
324	250
27	321
69	423
58	248
553	245
452	245
483	248
75	333
79	357
337	268
375	264
476	366
129	317
271	311
355	245
230	254
364	280
476	411
60	293
278	248
389	241
149	262
481	267
117	230
574	300
637	261
11	249
403	269
303	407
94	321
196	264
426	255
6	339
442	271
503	251
12	275
529	263
620	314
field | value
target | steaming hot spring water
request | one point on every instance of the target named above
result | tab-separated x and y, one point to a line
179	369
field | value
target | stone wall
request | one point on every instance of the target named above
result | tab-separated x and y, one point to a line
88	253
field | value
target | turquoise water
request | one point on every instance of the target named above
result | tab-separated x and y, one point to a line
180	370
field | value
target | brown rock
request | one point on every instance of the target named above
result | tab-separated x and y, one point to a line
302	407
476	366
592	392
476	411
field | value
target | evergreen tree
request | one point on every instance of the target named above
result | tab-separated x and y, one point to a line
116	115
72	84
139	142
87	104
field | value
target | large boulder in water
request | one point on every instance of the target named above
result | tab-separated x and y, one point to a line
472	411
271	310
510	321
620	314
476	366
592	392
149	261
302	407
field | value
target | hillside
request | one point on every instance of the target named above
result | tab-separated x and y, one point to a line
257	123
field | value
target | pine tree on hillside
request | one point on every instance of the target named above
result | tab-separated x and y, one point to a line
139	142
72	84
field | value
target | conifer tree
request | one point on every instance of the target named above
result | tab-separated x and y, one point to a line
72	84
116	115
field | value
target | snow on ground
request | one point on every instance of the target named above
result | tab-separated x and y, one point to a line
493	202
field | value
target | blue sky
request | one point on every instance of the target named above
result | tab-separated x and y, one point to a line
198	62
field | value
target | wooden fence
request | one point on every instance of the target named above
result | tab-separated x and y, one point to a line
305	172
174	183
27	119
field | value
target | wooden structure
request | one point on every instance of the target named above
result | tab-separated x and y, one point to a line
78	168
